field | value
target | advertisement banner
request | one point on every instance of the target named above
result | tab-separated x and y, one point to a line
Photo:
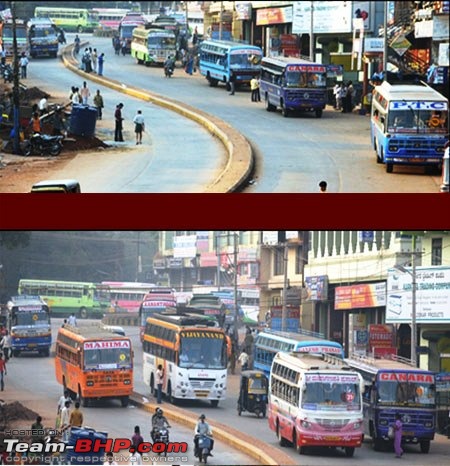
317	288
243	10
185	246
327	17
381	336
359	296
208	259
432	295
266	16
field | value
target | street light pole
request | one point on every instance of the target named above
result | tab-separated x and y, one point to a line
285	287
413	309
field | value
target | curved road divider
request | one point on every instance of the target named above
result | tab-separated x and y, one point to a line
264	454
239	166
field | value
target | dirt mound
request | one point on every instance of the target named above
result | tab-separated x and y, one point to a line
16	410
79	143
34	93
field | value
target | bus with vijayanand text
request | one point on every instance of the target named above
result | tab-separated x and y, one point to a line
395	386
93	363
153	46
70	19
194	354
293	84
315	401
408	125
29	325
269	342
42	37
220	60
64	298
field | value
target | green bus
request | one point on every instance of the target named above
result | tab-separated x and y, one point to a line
64	298
70	19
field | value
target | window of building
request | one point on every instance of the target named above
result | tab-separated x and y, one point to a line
278	265
299	260
436	251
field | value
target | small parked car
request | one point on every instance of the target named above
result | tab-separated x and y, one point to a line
57	186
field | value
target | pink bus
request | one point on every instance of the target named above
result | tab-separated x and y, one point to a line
109	18
126	296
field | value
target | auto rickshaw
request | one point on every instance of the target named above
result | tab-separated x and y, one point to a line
253	393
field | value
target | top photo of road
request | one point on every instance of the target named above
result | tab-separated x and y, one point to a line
224	96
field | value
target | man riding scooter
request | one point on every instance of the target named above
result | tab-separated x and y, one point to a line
169	67
202	428
159	422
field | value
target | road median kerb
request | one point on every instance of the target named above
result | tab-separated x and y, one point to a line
240	159
260	451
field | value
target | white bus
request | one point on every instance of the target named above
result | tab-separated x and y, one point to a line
315	400
194	354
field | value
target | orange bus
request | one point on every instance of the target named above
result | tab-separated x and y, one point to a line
93	363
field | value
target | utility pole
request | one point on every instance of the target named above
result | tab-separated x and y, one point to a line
235	283
217	235
285	287
413	305
385	52
311	33
16	98
220	21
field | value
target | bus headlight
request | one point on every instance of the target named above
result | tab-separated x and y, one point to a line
357	425
127	382
90	383
393	148
305	424
428	424
383	422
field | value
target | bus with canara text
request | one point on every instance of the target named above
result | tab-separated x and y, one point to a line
29	325
395	386
222	60
293	84
315	401
194	354
269	342
93	363
408	125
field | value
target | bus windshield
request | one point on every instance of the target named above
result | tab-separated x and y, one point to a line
21	33
43	32
30	318
162	42
414	394
417	121
207	352
246	60
106	358
332	392
305	79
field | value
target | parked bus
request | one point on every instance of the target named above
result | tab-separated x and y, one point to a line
64	298
29	325
396	386
194	354
153	46
158	299
270	342
127	25
210	306
21	35
409	125
93	363
42	37
315	400
218	58
248	299
293	84
126	296
109	18
70	19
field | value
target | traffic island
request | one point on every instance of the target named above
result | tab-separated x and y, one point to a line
262	453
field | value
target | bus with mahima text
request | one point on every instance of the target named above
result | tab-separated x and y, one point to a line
93	363
220	59
293	84
194	354
315	401
269	342
153	46
29	325
126	296
408	125
42	37
70	19
395	386
64	298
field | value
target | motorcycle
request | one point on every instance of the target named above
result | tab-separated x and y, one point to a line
42	144
161	434
204	447
7	73
168	71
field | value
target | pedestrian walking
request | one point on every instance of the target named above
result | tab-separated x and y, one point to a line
35	123
335	95
398	431
189	64
123	47
61	403
232	82
118	121
139	126
58	123
65	421
98	102
349	97
75	96
94	59
101	60
76	416
3	371
137	438
37	431
159	383
23	63
72	320
116	45
342	93
254	86
243	360
323	186
5	344
85	93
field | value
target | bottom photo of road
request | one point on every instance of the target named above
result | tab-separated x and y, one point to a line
224	347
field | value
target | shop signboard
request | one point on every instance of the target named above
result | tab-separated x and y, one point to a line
185	246
327	17
381	336
266	16
400	45
443	382
374	44
363	295
317	288
432	295
243	11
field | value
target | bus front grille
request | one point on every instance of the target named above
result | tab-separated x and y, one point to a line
202	384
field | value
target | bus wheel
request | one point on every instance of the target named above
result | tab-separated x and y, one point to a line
379	159
269	106
46	352
124	400
425	446
377	444
170	397
349	451
389	167
83	401
80	29
319	113
152	386
16	353
214	403
281	440
284	110
83	313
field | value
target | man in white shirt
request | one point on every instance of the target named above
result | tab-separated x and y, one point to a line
72	320
65	421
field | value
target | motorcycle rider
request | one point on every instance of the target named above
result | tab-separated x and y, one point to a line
76	42
202	428
159	421
169	66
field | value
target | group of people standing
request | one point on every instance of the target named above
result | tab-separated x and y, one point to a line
344	96
91	60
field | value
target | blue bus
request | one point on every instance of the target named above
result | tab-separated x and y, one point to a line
29	325
220	58
396	386
293	84
42	37
408	124
270	342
